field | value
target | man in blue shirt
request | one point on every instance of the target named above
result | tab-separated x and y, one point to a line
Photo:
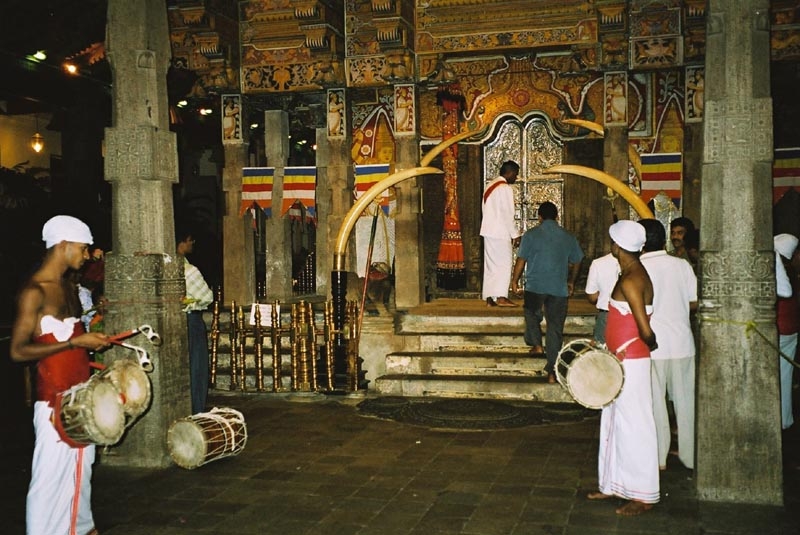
551	259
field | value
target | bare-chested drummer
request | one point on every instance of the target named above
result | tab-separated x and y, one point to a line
48	329
627	463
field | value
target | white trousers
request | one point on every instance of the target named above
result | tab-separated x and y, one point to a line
627	463
59	495
674	378
497	265
788	344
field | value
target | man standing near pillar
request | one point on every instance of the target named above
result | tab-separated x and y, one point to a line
48	330
788	317
198	297
500	235
672	364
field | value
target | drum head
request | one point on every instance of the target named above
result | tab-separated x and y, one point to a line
107	422
595	379
133	383
187	443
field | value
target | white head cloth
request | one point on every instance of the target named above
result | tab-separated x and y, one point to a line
628	234
65	228
785	244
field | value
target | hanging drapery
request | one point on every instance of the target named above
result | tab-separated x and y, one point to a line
450	267
257	189
299	188
662	172
785	171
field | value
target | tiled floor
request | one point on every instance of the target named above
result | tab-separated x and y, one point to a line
322	468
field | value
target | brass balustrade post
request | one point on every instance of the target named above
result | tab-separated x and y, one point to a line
240	326
234	349
258	342
275	336
215	339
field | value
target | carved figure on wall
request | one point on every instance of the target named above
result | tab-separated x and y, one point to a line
404	109
655	52
695	89
231	118
616	100
336	119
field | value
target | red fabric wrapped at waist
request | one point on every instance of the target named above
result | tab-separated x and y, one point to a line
60	371
620	329
788	315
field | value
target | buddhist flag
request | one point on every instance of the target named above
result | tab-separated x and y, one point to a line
662	172
299	187
257	189
367	176
785	172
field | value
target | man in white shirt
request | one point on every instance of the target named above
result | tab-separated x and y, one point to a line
673	366
500	234
603	275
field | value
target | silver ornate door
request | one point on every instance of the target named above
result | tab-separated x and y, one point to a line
530	144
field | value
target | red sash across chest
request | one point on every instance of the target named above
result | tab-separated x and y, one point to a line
788	315
60	371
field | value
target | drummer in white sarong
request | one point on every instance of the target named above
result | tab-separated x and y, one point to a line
627	462
500	234
48	330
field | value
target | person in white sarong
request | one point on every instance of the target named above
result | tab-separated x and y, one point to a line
627	461
47	330
500	235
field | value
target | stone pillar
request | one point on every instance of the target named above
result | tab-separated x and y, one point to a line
738	408
615	163
238	263
144	279
692	171
409	255
334	199
279	251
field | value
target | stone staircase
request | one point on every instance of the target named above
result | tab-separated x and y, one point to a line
466	350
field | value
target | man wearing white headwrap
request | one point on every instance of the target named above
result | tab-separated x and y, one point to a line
48	330
788	318
627	460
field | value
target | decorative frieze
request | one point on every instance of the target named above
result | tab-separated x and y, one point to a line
140	153
738	130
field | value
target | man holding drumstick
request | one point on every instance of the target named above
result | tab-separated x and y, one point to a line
48	329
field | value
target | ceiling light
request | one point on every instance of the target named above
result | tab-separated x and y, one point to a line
182	103
40	55
71	68
206	111
37	143
37	140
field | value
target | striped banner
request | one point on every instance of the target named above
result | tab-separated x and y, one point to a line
785	172
662	172
257	189
299	187
367	176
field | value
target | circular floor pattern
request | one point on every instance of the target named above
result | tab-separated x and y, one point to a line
471	414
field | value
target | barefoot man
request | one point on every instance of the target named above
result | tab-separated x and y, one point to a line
627	463
48	329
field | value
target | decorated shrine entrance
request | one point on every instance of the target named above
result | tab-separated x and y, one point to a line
529	142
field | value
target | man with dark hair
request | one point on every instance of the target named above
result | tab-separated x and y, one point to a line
198	297
673	366
48	330
551	259
680	229
500	234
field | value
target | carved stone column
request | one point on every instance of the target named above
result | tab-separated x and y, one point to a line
144	279
334	199
279	253
738	409
238	263
408	257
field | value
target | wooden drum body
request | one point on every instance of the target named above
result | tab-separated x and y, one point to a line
90	413
593	376
206	436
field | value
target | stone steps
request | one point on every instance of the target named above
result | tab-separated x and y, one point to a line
509	387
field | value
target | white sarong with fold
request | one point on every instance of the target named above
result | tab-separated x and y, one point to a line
628	456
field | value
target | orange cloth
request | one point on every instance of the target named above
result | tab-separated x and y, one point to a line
60	371
619	329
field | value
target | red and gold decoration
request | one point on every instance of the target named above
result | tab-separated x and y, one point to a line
450	267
